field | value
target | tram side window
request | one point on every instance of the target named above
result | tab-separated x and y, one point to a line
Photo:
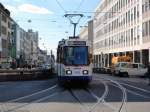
60	55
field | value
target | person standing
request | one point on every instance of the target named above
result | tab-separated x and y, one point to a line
148	73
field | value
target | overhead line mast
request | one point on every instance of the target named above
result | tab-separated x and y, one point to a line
70	16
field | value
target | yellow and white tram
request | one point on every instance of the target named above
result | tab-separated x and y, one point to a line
74	60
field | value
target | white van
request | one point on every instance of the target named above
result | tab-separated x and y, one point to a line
129	69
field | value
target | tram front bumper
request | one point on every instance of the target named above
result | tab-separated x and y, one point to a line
74	78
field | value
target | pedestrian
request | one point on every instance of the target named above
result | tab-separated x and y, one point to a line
148	73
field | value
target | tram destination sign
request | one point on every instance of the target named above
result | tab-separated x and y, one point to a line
80	43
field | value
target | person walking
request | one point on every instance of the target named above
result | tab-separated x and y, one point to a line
148	74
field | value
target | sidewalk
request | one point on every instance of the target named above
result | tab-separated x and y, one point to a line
18	75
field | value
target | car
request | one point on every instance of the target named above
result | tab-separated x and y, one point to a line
5	65
45	67
129	69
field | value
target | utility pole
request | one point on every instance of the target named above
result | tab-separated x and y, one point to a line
51	58
70	17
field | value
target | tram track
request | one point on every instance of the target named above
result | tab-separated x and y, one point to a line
140	92
133	92
101	99
124	94
83	106
137	88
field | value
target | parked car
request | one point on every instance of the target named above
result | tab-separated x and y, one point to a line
5	65
44	67
129	69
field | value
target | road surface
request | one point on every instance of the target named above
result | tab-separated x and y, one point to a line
104	94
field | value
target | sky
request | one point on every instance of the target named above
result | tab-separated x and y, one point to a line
47	17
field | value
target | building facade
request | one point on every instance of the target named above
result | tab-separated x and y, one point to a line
84	32
16	44
121	27
34	46
87	33
24	46
42	56
5	34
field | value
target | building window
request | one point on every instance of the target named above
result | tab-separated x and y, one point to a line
126	37
138	35
149	27
143	8
9	25
4	18
135	35
4	30
134	13
146	27
137	11
126	17
129	16
129	37
132	36
4	48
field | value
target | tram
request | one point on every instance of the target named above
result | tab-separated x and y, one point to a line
74	60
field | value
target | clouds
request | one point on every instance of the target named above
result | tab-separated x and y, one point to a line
29	8
11	0
33	9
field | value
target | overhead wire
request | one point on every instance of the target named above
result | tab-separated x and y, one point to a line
79	6
92	12
60	5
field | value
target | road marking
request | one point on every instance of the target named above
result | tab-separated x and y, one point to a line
130	91
10	102
36	101
144	90
14	100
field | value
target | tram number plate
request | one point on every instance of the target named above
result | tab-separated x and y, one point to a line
77	72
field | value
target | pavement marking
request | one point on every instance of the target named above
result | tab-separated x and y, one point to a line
141	89
12	105
36	101
144	90
14	100
135	93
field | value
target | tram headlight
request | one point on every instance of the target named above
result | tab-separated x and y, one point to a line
85	72
68	72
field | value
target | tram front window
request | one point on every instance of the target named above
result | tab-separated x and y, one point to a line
76	55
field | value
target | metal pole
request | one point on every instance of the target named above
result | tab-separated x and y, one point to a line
51	59
75	25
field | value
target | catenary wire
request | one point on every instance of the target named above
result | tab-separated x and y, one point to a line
79	6
60	5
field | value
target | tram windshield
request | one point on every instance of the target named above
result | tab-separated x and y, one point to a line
76	55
